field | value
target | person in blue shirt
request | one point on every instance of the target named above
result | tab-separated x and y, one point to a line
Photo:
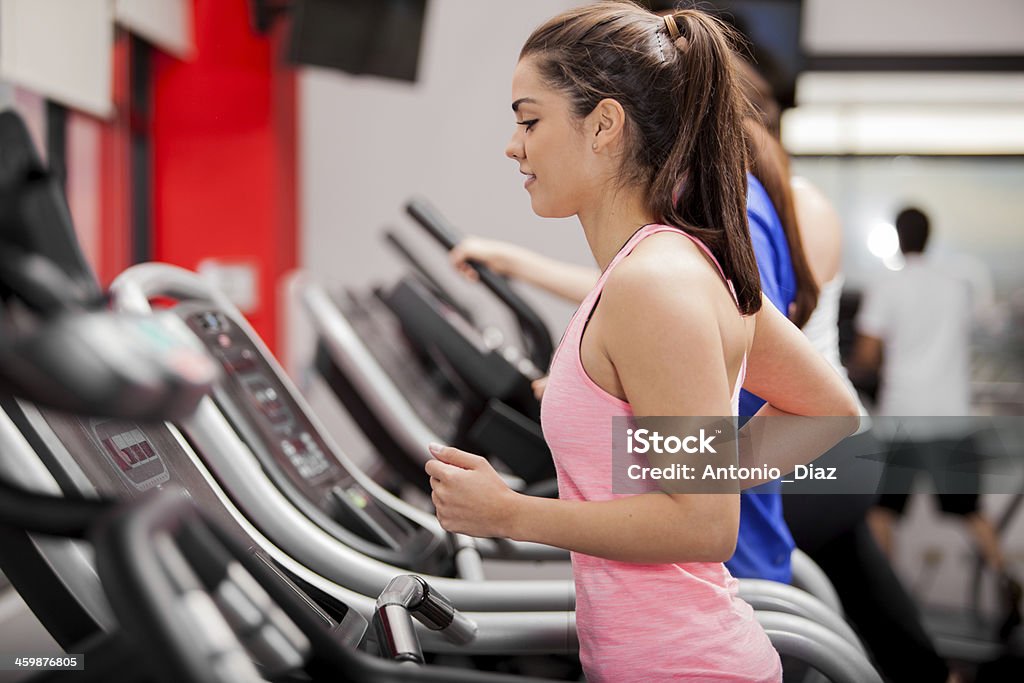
764	545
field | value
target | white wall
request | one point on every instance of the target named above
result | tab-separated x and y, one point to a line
368	144
165	23
943	27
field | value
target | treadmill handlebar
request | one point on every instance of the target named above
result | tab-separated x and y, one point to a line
45	514
431	219
438	289
428	606
195	599
41	261
59	346
538	336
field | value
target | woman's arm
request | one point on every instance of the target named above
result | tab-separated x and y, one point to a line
808	409
785	370
566	280
651	528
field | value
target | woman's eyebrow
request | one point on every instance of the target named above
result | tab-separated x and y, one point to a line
522	100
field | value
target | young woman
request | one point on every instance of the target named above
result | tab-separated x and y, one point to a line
631	122
764	545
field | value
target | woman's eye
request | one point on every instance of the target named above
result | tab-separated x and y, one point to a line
527	124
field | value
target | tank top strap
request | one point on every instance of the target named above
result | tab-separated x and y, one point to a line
652	229
587	307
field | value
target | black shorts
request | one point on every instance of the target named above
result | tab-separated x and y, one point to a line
815	519
951	464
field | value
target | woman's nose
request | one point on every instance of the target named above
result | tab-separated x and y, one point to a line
514	149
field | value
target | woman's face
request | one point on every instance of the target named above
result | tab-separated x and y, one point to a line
551	146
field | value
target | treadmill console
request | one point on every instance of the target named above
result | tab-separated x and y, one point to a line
115	458
429	322
120	459
279	433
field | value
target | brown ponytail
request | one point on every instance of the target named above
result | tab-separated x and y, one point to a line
684	116
770	165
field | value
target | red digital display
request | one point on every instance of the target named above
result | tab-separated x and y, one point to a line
129	449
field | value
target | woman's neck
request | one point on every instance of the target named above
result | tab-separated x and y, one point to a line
611	221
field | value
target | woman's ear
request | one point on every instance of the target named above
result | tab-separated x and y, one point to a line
606	123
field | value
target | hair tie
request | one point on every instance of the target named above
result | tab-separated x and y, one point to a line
671	26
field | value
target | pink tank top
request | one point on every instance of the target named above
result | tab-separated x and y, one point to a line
641	621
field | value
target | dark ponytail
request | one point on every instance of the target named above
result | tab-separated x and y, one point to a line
710	149
675	79
770	165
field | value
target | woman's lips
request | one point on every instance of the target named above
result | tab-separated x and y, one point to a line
529	180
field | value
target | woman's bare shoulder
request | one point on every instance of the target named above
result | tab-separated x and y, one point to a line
666	257
666	273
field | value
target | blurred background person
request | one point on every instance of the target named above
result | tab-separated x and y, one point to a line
914	330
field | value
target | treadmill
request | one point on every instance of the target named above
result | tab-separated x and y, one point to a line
793	619
451	409
155	562
968	635
105	600
268	451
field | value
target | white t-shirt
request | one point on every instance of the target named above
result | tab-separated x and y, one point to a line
822	329
923	315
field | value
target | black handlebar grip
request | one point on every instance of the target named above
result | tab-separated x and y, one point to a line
436	224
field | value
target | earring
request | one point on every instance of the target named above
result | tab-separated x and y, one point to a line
594	147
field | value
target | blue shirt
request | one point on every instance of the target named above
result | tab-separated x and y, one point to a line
765	545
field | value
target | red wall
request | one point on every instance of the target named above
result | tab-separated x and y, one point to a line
223	132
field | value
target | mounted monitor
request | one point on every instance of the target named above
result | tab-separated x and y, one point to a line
371	37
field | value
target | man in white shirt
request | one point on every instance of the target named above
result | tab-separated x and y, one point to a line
921	317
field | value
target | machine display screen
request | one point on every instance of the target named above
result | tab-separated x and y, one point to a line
126	446
280	434
255	390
